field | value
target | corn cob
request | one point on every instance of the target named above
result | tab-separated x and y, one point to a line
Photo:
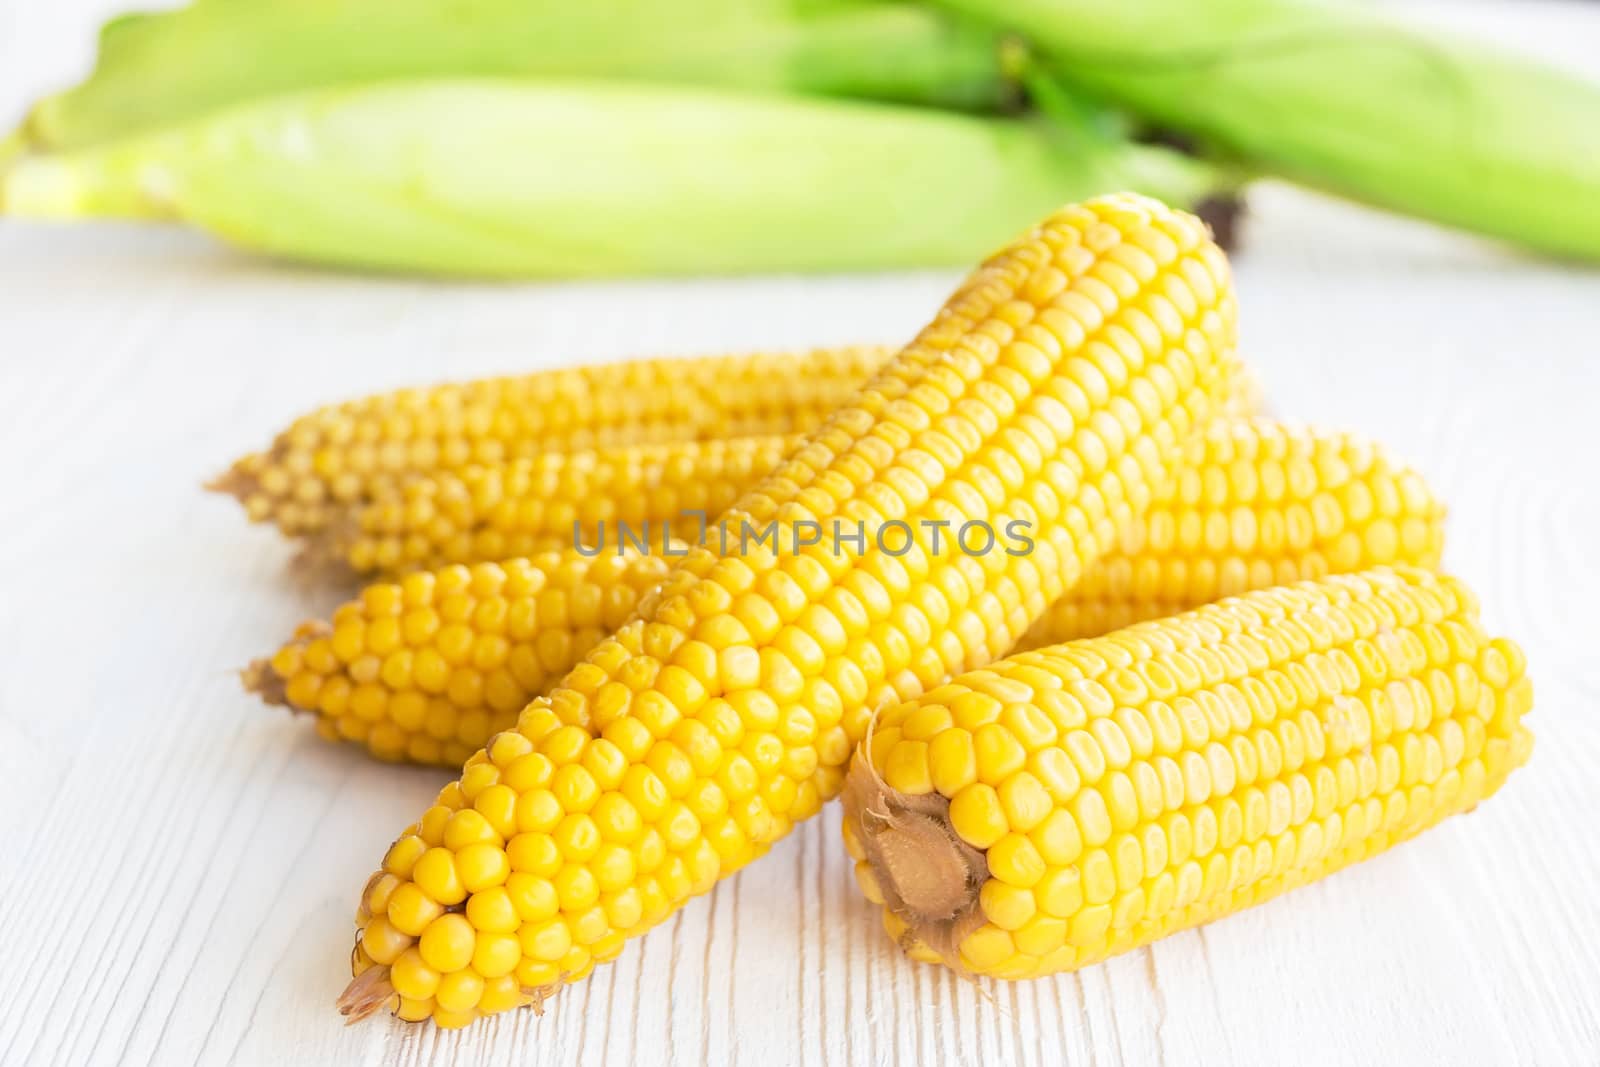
428	669
354	452
1075	802
1055	388
484	513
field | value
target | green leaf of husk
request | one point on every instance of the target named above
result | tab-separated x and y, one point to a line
515	179
1347	101
158	69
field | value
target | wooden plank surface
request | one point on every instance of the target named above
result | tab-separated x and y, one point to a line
180	864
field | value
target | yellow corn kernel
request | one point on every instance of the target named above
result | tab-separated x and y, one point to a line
501	993
990	416
436	875
412	977
1014	895
447	944
459	991
384	942
493	910
495	955
411	909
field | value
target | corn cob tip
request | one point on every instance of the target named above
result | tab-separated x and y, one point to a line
928	876
235	482
259	678
366	993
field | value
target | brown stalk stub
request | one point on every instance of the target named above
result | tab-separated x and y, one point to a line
930	878
1225	215
234	482
259	678
913	855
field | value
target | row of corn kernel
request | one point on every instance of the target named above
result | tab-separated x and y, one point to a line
357	451
557	500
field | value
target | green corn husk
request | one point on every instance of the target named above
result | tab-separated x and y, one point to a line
1343	100
159	69
515	179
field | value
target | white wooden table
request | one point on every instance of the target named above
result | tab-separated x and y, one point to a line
179	863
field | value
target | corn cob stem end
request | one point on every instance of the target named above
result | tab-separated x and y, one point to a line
365	994
1224	213
928	876
259	678
235	482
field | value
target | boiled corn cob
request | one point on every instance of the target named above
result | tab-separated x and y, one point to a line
1056	388
1068	804
427	669
558	499
354	452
